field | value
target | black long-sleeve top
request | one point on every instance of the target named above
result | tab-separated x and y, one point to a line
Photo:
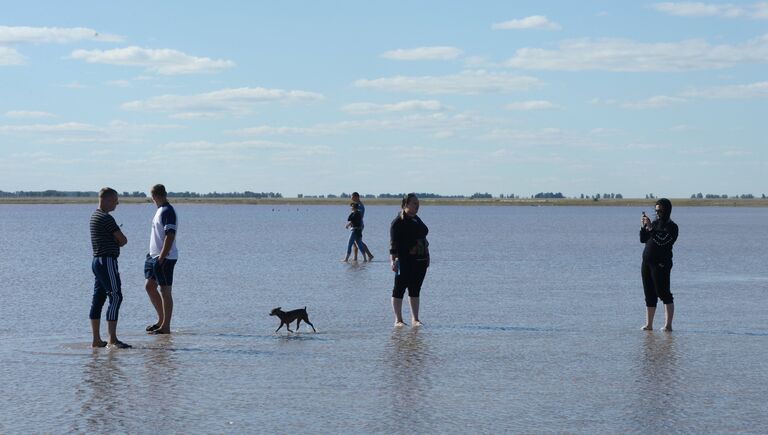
408	238
356	219
659	240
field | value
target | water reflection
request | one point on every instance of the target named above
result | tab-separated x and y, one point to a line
160	376
102	393
658	383
408	384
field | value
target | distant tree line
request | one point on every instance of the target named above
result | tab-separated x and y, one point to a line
135	194
714	196
246	194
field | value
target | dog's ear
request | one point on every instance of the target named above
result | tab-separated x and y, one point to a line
278	308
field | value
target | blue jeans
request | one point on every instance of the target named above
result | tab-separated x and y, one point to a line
355	237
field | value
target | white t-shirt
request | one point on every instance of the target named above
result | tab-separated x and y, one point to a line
164	222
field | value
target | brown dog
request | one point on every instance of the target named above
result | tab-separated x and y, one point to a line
286	317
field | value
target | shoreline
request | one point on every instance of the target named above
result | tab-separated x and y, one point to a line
625	202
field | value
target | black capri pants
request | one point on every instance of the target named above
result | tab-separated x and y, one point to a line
411	276
656	282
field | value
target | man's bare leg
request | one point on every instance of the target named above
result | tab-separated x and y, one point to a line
150	286
95	330
167	307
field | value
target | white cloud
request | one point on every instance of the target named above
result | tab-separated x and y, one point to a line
435	123
532	105
732	92
465	83
52	35
423	53
631	56
114	132
655	102
238	151
403	106
218	103
9	56
266	130
120	83
532	22
757	10
160	61
74	85
26	114
66	127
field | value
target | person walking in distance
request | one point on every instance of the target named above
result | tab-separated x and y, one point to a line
161	261
361	209
106	240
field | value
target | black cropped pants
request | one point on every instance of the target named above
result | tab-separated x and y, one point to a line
656	282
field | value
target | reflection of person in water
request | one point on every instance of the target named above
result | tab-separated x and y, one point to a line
409	258
659	236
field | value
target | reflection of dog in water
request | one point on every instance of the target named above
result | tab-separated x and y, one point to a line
286	317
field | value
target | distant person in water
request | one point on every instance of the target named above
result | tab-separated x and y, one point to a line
659	236
161	260
106	240
409	258
355	225
361	209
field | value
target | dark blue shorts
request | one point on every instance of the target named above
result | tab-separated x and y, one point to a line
162	273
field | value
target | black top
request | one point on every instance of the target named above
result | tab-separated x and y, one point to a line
408	238
356	219
103	227
659	240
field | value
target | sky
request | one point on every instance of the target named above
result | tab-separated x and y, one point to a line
450	97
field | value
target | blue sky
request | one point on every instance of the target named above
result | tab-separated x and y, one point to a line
319	97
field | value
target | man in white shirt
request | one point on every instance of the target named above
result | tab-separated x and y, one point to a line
161	260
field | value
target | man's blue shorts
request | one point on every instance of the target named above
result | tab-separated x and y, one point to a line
161	273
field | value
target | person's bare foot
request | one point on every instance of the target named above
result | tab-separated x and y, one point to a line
160	331
667	328
99	343
647	328
399	324
417	323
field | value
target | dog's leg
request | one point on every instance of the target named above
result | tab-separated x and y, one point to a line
298	322
281	325
306	320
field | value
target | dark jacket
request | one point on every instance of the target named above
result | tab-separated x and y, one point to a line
661	237
408	238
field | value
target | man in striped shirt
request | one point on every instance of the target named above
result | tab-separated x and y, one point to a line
106	239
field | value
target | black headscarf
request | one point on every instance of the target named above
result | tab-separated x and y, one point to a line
666	206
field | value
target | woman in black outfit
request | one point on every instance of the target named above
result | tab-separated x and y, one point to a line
659	236
409	257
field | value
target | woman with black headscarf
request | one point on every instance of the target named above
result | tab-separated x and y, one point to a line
409	258
659	236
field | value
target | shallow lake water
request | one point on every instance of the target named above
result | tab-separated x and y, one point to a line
532	324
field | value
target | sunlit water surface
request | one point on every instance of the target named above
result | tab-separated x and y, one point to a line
532	318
